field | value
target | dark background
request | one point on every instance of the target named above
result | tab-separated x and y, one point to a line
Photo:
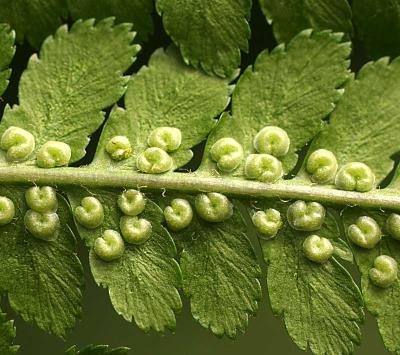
101	325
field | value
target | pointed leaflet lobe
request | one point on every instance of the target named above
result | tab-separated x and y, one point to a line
210	34
220	271
365	125
292	87
79	73
97	350
7	335
320	303
291	16
44	280
33	19
378	26
383	303
137	12
7	50
220	275
165	93
143	283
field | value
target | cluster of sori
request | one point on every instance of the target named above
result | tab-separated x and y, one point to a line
41	219
111	245
354	176
19	144
366	233
212	207
270	144
309	217
156	158
302	216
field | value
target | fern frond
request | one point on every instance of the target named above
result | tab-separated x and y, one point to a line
189	230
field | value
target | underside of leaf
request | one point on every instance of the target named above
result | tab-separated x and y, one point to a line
210	34
43	280
143	283
289	17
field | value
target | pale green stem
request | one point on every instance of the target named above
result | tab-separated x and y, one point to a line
187	182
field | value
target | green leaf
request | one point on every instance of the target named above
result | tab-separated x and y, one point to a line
365	125
210	34
44	280
320	303
220	272
7	335
143	283
292	87
378	26
137	12
220	275
291	16
97	350
79	73
7	51
33	19
165	93
384	304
